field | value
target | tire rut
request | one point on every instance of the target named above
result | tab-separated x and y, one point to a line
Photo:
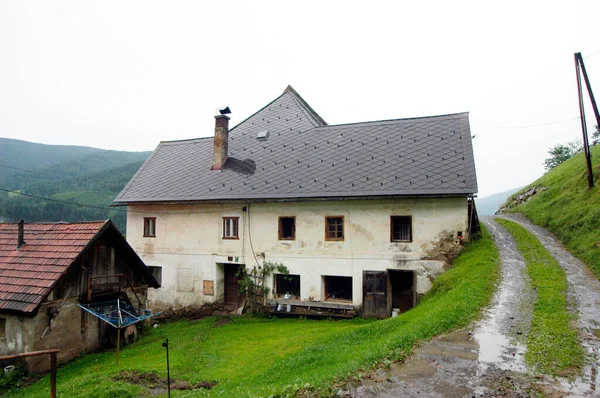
584	296
477	360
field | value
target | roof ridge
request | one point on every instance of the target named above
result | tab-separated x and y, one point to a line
305	106
255	113
53	222
187	140
393	120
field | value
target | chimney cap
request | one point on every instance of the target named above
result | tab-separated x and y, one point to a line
224	110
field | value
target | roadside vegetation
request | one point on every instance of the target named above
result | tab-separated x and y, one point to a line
252	356
568	208
553	344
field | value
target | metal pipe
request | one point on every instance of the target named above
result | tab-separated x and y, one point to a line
166	345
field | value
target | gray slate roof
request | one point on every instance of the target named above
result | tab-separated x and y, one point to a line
306	158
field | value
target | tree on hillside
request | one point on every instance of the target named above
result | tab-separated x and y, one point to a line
560	153
596	136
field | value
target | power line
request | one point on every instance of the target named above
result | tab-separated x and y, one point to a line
107	208
33	171
591	55
531	125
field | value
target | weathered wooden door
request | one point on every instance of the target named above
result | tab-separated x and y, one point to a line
232	287
375	294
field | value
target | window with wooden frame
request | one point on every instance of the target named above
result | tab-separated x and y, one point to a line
149	227
334	228
287	228
401	228
230	227
2	328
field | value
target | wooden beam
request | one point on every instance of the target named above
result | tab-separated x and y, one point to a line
28	354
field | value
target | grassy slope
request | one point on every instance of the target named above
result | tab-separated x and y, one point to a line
569	209
553	345
262	357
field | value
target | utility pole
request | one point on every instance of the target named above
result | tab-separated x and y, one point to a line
580	67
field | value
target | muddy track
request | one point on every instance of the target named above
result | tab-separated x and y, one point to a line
504	327
584	300
487	358
475	361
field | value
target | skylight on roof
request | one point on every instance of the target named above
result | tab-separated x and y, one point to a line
262	135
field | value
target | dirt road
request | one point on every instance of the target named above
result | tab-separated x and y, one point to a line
487	359
584	299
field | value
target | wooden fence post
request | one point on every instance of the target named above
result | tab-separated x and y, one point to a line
53	363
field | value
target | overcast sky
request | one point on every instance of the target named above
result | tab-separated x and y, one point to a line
127	74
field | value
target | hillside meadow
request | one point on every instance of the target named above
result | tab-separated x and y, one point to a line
568	208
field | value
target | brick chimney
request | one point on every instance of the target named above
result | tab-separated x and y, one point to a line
20	239
221	141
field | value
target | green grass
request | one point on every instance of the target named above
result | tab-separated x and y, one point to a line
553	344
568	208
279	357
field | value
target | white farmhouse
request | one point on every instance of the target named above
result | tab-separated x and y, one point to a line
363	213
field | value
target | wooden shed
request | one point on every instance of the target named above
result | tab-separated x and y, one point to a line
46	269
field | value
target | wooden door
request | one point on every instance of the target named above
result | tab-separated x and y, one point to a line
232	287
375	294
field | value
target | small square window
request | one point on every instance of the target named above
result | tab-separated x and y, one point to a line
287	228
149	227
230	227
401	228
334	228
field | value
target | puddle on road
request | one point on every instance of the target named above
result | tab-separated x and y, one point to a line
510	314
496	349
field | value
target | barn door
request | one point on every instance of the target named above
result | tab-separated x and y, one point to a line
375	294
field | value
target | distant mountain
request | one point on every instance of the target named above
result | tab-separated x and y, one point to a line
23	162
488	205
88	176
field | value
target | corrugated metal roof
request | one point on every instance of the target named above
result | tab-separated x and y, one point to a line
305	158
27	274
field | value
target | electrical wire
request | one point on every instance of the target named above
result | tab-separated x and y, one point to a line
250	237
531	125
591	55
108	208
34	171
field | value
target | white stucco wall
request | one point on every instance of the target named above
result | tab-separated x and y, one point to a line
189	245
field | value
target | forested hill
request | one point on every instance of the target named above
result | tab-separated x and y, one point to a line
84	175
